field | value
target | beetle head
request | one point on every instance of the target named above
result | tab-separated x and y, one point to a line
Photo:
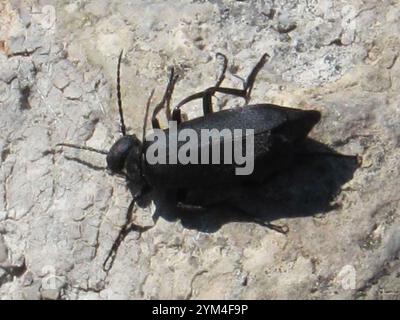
118	154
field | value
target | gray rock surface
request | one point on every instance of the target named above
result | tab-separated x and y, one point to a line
58	218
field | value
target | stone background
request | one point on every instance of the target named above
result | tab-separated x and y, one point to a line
58	218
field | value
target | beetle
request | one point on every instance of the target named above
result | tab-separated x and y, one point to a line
277	130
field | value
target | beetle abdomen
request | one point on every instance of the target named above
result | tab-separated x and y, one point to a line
275	130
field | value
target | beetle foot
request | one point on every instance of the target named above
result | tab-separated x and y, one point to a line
284	229
109	261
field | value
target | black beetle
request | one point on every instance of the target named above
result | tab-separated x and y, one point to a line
277	131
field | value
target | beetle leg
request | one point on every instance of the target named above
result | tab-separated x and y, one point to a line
206	95
127	227
284	229
224	67
189	207
208	92
176	113
165	101
281	229
357	158
249	83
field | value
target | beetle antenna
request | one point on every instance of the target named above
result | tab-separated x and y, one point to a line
146	115
87	164
81	148
121	114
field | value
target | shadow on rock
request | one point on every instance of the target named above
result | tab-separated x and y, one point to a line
307	188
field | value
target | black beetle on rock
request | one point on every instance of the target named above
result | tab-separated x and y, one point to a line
276	131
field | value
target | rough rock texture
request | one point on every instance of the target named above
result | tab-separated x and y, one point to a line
58	217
